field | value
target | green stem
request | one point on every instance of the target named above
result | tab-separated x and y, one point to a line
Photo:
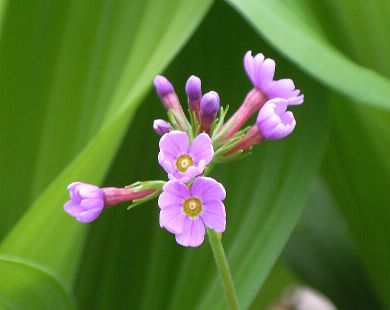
223	268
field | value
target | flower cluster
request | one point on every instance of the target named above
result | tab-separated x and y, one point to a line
190	202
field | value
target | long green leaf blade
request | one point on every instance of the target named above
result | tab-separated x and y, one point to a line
302	44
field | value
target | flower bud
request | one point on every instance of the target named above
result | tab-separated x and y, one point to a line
194	93
273	121
161	127
171	102
86	202
163	86
209	107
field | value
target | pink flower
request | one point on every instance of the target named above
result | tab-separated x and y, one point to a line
273	121
181	160
261	70
185	211
86	202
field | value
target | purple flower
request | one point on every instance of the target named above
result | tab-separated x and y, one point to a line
161	127
182	161
261	70
185	211
209	107
86	202
273	121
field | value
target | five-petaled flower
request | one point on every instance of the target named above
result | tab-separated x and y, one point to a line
186	210
86	202
181	160
261	70
273	121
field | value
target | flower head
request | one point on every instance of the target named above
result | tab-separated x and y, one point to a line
181	160
273	121
161	127
261	70
86	202
185	211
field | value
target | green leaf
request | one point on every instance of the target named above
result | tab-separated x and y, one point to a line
294	37
266	192
26	285
323	254
357	171
92	126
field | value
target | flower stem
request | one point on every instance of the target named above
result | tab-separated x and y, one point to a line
223	269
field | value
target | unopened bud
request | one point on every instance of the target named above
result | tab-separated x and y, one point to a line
163	86
194	93
161	127
209	107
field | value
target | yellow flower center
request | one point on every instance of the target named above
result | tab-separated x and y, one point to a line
192	207
183	162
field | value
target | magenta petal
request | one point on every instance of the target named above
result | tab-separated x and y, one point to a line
89	191
174	193
266	73
202	149
89	215
166	164
193	233
249	66
295	100
280	89
92	204
191	172
207	189
74	195
214	215
72	208
173	219
174	144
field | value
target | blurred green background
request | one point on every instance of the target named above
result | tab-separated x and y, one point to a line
77	104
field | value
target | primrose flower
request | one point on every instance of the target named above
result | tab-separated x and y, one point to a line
161	127
185	211
181	160
209	107
86	202
261	70
273	121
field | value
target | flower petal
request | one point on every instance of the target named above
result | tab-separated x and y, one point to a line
92	204
174	144
172	219
166	164
89	191
208	189
214	215
74	195
193	233
89	215
174	193
266	73
280	89
202	149
72	208
249	66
